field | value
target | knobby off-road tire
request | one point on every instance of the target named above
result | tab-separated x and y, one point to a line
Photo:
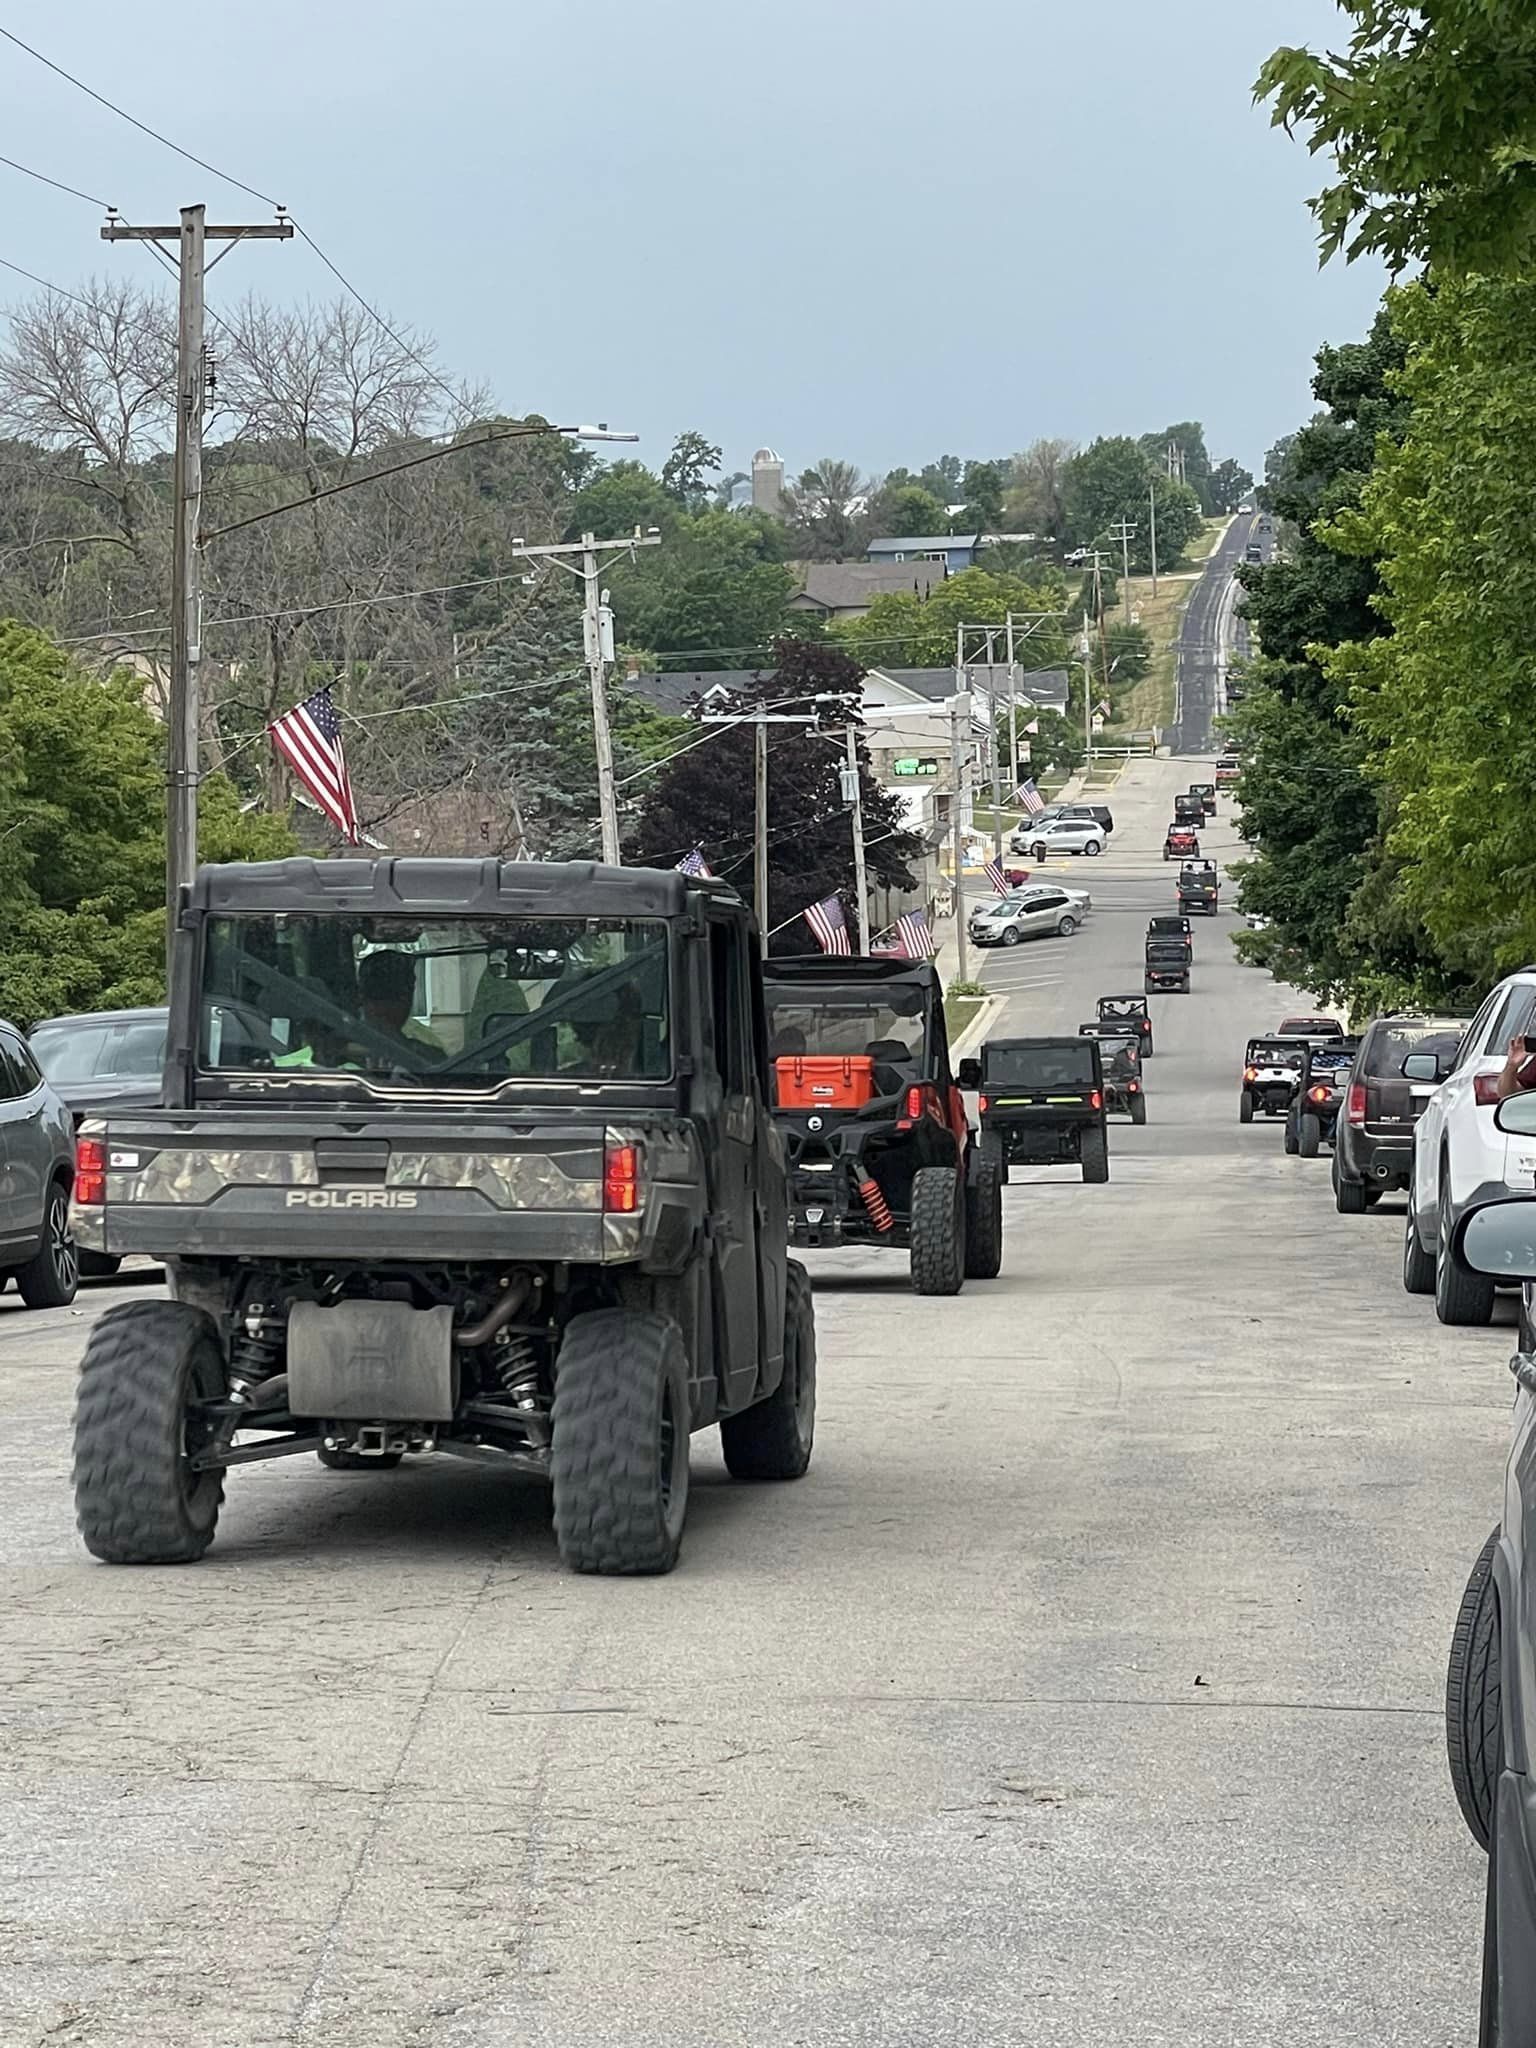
1472	1694
1418	1264
619	1455
984	1217
773	1439
1310	1137
1138	1109
1245	1107
1095	1155
938	1231
1462	1299
51	1276
137	1501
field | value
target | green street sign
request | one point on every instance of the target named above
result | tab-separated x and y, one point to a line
915	764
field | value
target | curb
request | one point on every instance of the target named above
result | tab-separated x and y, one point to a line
977	1026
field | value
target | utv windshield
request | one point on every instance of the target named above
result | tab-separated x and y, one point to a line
463	1004
890	1025
1069	1065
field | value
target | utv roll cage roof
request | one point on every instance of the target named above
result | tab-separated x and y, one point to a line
411	886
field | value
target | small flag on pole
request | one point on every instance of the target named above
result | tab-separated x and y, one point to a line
1033	726
914	940
995	875
695	864
826	920
309	739
1030	797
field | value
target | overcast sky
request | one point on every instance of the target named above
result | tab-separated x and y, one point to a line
865	228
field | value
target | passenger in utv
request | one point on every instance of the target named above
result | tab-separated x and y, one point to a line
386	984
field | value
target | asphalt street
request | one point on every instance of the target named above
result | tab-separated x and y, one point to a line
1208	630
1086	1692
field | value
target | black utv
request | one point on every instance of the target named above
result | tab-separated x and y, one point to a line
1271	1070
1188	809
1206	791
1125	1092
879	1145
1128	1010
1166	968
457	1156
1042	1103
1173	927
1199	889
1321	1082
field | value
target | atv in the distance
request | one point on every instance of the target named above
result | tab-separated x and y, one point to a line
1199	890
1166	966
1125	1092
1180	842
880	1149
1173	928
1130	1010
1042	1103
1271	1070
1321	1082
457	1156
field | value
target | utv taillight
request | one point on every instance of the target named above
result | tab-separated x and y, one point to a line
914	1103
981	1104
1485	1089
1095	1100
621	1180
90	1172
1354	1108
1134	1087
1319	1094
1250	1073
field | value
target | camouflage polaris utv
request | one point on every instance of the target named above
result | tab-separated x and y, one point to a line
463	1157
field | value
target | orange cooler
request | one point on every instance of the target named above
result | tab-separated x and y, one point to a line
822	1081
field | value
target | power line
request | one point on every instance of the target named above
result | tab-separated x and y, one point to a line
43	179
374	314
32	278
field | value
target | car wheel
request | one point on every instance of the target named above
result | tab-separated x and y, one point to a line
1011	936
938	1231
1066	927
52	1274
772	1439
619	1454
1038	850
150	1371
1093	848
1245	1107
1138	1109
1292	1142
984	1217
1418	1264
1472	1698
1461	1298
1349	1197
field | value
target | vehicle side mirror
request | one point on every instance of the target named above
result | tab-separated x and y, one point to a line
1501	1239
1517	1115
969	1075
1424	1066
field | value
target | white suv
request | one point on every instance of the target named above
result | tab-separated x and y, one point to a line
1460	1156
1066	835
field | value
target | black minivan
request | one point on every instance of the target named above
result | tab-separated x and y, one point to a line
1373	1140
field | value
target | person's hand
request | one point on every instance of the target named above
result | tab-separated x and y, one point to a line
1509	1081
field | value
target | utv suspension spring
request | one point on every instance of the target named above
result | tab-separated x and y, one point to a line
879	1208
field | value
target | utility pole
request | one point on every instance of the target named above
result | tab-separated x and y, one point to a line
853	784
1086	649
1152	513
183	721
959	743
1122	531
597	650
760	827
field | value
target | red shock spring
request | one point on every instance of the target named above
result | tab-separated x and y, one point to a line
879	1208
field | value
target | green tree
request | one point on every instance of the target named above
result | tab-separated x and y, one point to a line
905	508
1188	437
715	594
619	498
902	630
1231	486
686	472
983	486
1430	117
82	834
822	509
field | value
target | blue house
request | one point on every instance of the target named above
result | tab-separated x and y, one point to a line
955	550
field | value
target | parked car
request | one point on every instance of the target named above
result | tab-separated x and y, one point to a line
110	1059
1067	835
1490	1705
1029	914
1025	835
1460	1155
1373	1143
37	1153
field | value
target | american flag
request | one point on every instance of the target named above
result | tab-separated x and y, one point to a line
994	874
913	938
826	920
1030	797
695	864
309	739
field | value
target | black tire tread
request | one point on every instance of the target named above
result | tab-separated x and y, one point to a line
37	1282
1310	1137
984	1219
1472	1698
602	1457
764	1442
1418	1264
938	1253
131	1504
1463	1300
1349	1196
1095	1155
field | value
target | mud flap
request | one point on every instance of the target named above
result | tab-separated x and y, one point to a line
371	1361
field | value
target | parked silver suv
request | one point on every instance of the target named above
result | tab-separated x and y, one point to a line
37	1170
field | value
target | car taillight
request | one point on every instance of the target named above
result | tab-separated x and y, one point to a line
90	1172
1096	1100
621	1180
1485	1089
1250	1073
1354	1109
981	1104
